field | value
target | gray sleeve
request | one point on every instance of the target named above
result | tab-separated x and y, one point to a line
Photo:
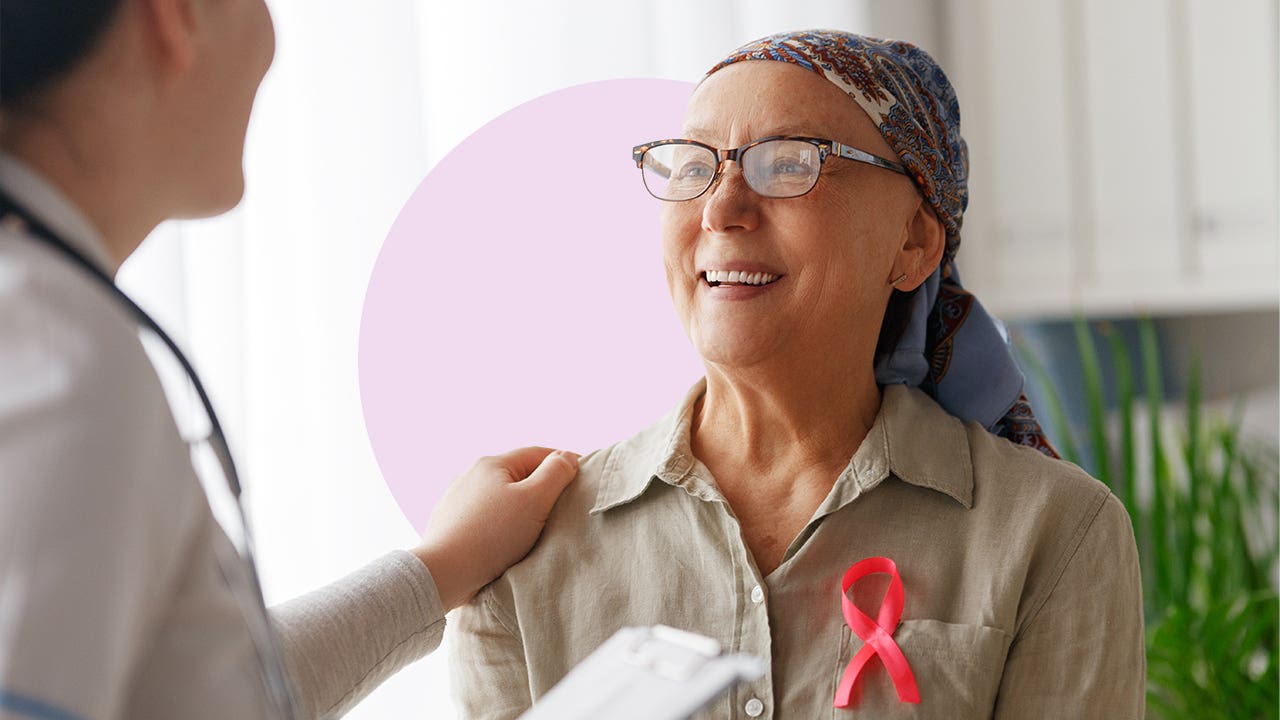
343	640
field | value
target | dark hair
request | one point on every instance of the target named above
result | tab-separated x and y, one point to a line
42	39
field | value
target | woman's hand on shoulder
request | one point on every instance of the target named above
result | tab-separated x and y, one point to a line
490	517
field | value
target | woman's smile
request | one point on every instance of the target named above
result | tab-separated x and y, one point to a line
737	281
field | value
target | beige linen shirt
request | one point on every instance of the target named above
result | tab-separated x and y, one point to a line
1023	597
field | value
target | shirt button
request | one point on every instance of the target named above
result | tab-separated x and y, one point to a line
757	597
754	708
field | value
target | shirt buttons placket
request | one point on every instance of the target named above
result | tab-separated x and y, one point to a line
754	707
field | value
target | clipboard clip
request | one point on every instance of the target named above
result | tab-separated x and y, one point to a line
673	654
646	673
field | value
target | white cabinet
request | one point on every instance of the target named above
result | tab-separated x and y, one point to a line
1123	153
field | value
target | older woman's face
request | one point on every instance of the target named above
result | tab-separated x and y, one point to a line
833	249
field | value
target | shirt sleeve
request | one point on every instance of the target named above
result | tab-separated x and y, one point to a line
1082	654
343	640
487	663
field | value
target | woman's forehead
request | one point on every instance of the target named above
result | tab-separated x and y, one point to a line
752	99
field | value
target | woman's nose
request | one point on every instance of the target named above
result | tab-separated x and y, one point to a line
731	205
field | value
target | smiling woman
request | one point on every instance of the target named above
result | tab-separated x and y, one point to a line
860	413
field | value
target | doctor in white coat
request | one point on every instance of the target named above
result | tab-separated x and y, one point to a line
120	596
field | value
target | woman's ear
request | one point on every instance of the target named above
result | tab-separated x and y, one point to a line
171	28
922	247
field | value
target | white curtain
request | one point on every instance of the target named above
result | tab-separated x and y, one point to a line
362	100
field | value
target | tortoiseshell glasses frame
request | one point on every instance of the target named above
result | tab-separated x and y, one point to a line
798	183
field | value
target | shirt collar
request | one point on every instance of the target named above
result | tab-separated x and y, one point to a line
659	452
38	196
918	442
912	438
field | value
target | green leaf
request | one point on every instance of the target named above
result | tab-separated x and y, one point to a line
1093	393
1124	405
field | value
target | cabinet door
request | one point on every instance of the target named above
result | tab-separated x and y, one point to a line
1231	103
1124	154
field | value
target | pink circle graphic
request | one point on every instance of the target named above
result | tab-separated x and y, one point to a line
519	298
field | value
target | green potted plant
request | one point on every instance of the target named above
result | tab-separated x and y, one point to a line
1202	499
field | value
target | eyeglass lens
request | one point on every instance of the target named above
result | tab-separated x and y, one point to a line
775	168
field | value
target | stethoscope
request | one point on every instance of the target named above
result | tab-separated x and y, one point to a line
277	686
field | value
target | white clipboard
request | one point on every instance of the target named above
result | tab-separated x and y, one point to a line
653	673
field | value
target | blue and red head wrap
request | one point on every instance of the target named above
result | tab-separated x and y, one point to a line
952	348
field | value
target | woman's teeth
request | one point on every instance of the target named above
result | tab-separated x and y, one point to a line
719	277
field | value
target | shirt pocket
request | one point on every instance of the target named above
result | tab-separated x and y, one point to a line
957	669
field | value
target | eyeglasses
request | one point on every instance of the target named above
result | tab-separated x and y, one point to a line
778	166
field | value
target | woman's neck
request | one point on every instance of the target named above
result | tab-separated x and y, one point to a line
97	172
785	418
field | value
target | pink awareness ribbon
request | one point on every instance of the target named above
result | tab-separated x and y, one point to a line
877	634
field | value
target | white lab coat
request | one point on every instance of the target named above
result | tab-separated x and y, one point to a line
112	601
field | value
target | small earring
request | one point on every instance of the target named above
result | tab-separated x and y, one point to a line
900	279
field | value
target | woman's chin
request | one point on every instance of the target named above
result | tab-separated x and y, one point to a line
212	199
736	351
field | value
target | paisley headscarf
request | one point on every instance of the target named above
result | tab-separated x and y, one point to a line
951	348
